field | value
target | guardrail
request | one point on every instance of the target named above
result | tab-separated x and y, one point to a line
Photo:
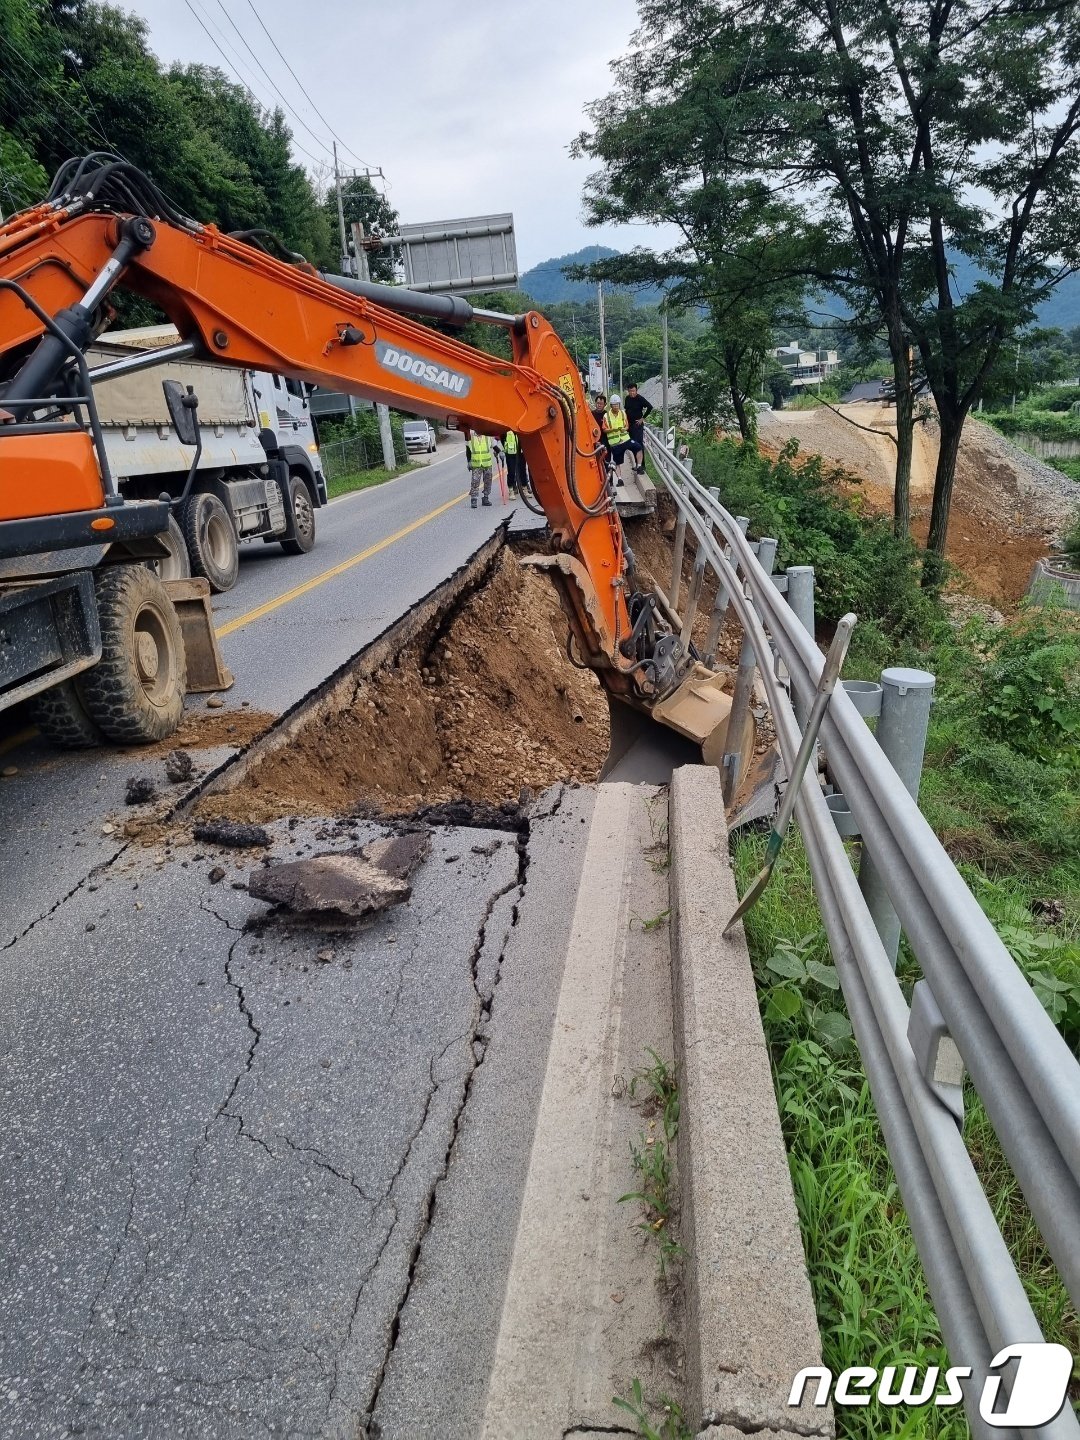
973	996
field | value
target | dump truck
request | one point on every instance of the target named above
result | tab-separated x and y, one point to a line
246	417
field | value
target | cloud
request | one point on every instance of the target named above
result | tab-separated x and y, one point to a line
468	110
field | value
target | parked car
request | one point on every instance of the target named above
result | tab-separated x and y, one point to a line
419	437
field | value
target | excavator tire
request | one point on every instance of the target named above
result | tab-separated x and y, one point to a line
211	541
135	693
62	718
177	564
303	513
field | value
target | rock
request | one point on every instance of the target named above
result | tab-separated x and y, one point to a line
108	829
400	854
325	956
352	884
217	874
1050	912
340	884
215	703
139	790
179	767
8	771
231	833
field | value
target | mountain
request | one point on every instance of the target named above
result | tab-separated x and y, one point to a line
547	284
1060	310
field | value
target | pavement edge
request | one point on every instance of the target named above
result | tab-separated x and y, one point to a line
751	1322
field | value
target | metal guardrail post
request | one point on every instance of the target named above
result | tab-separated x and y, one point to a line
800	596
677	555
906	697
720	605
744	684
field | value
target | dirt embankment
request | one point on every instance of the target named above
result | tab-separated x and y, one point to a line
487	706
1008	508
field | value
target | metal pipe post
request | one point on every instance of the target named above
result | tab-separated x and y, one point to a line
906	697
744	684
720	605
800	596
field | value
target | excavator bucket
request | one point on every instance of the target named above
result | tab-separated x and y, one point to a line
205	668
688	727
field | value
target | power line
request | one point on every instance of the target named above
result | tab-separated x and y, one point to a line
47	89
79	80
218	41
303	92
317	138
77	145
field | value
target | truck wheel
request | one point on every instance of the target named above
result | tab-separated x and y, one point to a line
177	564
62	718
135	692
211	541
303	518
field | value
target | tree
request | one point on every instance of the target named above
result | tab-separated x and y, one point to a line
362	204
918	133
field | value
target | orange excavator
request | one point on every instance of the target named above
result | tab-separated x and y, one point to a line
87	631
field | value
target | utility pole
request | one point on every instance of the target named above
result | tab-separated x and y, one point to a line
1016	374
603	337
346	267
620	370
664	367
386	435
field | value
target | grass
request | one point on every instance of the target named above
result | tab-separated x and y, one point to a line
653	1156
1012	823
670	1426
365	479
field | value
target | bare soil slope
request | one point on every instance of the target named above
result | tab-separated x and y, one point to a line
487	707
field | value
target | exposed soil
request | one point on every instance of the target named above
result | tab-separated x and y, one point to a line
488	706
1007	509
203	729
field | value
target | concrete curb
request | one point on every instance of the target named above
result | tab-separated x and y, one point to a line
751	1323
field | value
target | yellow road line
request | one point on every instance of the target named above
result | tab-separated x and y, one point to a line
13	741
317	580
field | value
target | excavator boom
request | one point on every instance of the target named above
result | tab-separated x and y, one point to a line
236	303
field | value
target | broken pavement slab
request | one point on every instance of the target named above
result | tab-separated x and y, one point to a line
353	884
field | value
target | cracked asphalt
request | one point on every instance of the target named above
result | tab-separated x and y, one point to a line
247	1191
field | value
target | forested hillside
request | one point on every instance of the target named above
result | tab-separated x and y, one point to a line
78	76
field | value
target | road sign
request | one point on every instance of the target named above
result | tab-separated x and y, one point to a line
460	256
596	375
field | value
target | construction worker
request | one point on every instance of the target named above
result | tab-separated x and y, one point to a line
512	447
479	457
617	434
637	407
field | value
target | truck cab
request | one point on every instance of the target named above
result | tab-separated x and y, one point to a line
258	476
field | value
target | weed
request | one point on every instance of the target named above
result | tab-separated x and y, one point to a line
672	1425
653	1156
654	923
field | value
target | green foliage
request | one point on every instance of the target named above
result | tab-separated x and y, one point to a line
1030	686
858	563
79	76
1043	424
1071	539
670	1426
1071	468
653	1156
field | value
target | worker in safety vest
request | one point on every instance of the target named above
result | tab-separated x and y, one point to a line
514	466
479	457
617	434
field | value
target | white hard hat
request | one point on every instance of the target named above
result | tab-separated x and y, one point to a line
615	400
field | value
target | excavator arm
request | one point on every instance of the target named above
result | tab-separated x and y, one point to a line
236	303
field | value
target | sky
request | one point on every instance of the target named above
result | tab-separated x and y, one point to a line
469	109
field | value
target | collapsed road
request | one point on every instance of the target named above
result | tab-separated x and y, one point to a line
258	1166
282	630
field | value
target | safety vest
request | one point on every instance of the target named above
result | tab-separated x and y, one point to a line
511	443
479	448
618	431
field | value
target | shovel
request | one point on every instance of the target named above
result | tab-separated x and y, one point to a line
830	673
